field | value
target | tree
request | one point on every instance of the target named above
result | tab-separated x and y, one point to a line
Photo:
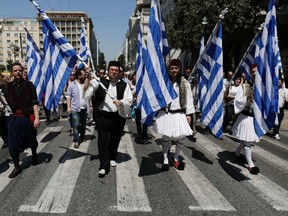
184	25
102	62
2	68
121	59
9	63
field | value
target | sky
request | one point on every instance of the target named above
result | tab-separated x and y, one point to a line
110	17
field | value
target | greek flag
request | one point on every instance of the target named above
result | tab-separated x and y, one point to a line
139	66
34	65
266	80
210	64
60	59
84	51
201	87
278	56
248	58
158	89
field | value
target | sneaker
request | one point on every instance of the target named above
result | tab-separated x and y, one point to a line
76	145
277	137
113	163
101	173
178	165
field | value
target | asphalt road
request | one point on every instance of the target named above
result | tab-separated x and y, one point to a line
213	182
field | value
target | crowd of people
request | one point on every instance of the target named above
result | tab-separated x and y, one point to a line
110	97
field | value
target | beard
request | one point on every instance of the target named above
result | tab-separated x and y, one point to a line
82	80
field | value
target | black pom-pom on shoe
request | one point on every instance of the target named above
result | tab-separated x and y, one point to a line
165	167
254	170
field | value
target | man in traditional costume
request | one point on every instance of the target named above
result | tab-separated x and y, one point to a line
243	128
113	107
22	99
173	122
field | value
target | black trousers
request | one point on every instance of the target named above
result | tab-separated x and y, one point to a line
280	118
228	115
110	127
4	129
141	128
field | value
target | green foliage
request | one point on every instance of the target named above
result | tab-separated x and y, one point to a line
121	59
2	68
9	63
184	24
102	62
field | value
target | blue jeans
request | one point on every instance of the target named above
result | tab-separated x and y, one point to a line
79	124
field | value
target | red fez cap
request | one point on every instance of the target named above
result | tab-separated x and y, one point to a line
175	62
253	66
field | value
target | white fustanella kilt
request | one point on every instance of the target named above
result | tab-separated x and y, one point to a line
243	129
173	125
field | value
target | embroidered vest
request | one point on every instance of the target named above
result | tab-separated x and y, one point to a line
23	99
182	93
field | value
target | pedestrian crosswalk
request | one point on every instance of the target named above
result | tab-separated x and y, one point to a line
203	193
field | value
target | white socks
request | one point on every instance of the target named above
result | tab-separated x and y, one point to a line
248	155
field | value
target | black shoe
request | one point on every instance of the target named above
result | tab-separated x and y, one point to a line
15	172
35	160
254	170
139	140
4	145
165	167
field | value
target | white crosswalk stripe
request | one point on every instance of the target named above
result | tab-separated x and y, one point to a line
269	157
4	180
57	194
275	195
131	195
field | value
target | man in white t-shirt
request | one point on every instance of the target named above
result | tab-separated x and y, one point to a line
78	103
283	97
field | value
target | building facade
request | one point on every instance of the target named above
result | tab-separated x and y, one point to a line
13	35
13	38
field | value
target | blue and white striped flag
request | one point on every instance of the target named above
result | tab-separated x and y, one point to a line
84	51
211	65
157	86
60	59
248	58
266	80
34	65
139	66
278	56
201	87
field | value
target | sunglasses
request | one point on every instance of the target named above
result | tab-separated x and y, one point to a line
72	74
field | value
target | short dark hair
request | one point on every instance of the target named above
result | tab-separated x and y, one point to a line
16	64
79	72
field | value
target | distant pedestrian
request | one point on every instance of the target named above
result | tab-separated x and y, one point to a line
283	98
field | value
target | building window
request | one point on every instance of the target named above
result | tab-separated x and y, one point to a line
8	41
8	34
15	34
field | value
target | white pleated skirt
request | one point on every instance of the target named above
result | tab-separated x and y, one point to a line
173	125
243	129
